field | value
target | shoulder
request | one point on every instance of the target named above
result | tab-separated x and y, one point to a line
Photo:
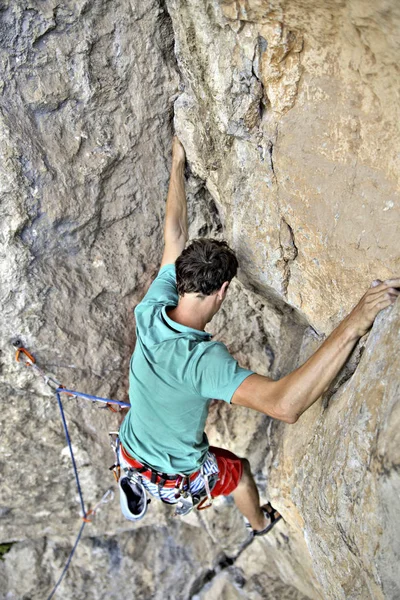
166	275
210	350
167	271
163	288
215	373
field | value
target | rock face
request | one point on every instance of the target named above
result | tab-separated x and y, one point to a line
78	140
287	113
289	117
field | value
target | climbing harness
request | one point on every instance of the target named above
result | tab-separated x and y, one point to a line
202	505
181	495
58	389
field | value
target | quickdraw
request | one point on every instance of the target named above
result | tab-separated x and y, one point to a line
107	497
114	443
56	386
208	500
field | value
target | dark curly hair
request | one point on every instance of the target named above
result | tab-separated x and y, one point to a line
204	266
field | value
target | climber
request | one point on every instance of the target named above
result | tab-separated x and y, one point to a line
176	369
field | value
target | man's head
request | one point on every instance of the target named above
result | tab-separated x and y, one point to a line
204	267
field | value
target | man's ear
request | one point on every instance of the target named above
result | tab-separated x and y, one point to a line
222	290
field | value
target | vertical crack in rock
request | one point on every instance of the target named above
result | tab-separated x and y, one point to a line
277	65
346	373
289	252
260	47
349	541
353	181
271	160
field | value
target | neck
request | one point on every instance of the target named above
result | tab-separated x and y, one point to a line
192	312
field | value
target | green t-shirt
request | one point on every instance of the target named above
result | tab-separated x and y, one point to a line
175	371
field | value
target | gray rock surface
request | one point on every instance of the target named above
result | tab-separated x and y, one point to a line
289	117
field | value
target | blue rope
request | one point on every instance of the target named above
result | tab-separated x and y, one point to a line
64	422
68	561
78	485
59	391
62	390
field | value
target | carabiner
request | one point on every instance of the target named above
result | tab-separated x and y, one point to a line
23	350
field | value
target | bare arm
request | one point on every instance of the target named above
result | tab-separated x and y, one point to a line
176	227
289	397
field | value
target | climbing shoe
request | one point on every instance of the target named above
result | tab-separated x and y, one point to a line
133	498
272	515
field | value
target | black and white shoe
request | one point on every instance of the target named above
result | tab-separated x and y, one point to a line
133	499
272	515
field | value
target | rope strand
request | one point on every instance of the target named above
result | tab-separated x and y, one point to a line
78	485
62	390
71	554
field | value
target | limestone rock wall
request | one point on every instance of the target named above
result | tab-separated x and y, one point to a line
79	109
289	114
289	117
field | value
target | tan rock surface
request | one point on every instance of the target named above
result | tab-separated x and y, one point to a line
345	502
290	115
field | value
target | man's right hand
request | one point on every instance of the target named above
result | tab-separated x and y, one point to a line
380	295
287	398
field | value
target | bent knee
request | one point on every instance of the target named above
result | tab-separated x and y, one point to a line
246	464
246	468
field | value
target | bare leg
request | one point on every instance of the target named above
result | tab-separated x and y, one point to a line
247	499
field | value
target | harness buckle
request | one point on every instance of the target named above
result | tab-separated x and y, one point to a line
182	486
184	506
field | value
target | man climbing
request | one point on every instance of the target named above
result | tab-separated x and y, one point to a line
176	369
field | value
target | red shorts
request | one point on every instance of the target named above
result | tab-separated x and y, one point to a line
230	472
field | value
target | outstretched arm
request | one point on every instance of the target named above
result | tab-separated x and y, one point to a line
289	397
176	227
